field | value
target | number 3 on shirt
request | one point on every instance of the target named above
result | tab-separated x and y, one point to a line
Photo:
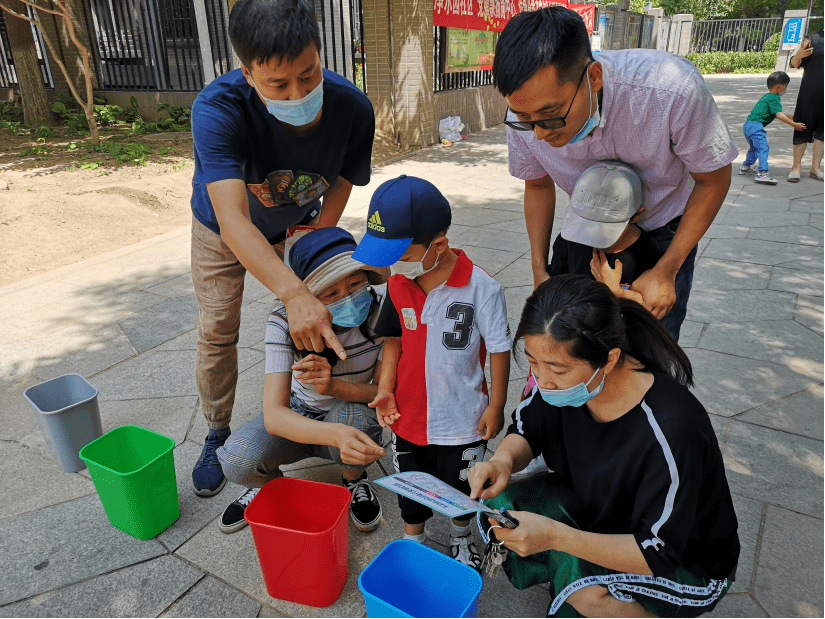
472	455
464	316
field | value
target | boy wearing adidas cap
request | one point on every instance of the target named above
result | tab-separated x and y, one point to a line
600	236
445	314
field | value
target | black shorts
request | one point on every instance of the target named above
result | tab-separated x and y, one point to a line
449	463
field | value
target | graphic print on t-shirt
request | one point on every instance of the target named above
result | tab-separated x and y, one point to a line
282	187
409	318
464	315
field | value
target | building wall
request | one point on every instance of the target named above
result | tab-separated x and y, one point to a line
479	108
398	43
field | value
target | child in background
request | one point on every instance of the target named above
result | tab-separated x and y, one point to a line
445	314
600	235
763	113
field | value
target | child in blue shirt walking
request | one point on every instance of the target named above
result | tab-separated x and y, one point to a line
762	114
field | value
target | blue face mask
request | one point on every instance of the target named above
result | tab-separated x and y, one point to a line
591	123
296	113
353	310
574	396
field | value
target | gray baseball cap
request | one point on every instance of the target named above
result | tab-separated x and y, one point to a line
604	199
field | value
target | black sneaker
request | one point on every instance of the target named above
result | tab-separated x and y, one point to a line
232	518
365	509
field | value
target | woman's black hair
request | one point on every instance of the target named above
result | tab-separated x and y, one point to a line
586	315
330	355
532	40
264	29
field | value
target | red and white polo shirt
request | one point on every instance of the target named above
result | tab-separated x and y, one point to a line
441	390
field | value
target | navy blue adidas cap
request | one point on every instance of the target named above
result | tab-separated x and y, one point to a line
400	210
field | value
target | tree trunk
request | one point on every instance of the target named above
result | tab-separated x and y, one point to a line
29	78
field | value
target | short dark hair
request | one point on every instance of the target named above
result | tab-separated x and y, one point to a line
778	78
533	40
264	29
426	239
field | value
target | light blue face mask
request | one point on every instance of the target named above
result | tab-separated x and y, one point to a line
353	310
574	396
592	122
297	113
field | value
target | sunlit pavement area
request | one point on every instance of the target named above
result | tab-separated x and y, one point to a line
127	322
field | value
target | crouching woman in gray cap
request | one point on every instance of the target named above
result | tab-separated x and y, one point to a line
316	405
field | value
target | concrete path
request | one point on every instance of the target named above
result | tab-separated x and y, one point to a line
127	321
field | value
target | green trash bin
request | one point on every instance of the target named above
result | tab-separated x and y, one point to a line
133	470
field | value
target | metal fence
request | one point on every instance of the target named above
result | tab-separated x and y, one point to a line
444	81
733	35
636	32
182	45
8	76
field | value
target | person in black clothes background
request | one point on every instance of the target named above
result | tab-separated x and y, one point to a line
636	519
809	109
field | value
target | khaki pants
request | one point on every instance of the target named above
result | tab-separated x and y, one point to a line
218	277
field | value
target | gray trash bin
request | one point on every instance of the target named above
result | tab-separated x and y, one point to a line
68	415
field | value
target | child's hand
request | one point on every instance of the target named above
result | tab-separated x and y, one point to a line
491	423
316	371
385	407
798	126
601	270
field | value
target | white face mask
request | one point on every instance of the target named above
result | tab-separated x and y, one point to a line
296	113
591	123
411	270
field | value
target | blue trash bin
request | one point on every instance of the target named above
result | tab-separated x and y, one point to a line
407	579
68	415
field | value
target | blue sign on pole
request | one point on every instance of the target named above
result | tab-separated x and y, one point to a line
793	33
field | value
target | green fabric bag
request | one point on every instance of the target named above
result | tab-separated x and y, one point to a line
682	594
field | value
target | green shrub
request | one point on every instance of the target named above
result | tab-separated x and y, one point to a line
359	76
772	44
44	131
134	151
10	112
734	62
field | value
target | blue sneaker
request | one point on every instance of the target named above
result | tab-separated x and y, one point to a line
207	476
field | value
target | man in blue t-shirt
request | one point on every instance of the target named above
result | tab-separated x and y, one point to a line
278	142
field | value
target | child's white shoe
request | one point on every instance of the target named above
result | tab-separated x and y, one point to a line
464	551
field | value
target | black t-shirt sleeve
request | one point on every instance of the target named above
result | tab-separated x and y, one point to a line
388	323
357	160
529	423
667	498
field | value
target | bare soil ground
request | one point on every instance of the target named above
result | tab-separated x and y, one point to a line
53	212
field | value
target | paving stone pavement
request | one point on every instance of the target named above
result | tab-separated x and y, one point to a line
127	322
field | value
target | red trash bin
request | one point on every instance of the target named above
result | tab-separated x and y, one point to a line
300	533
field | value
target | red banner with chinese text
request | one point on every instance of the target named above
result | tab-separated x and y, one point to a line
494	14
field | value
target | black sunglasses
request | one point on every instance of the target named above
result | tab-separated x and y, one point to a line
546	123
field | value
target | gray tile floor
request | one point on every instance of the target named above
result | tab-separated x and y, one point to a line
126	320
